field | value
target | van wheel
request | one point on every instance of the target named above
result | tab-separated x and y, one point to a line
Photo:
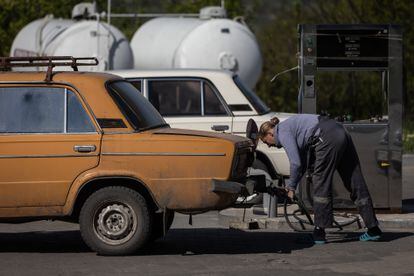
158	224
115	221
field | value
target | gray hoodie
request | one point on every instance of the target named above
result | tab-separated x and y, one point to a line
293	135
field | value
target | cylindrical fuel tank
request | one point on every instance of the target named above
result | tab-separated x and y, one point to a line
164	43
86	38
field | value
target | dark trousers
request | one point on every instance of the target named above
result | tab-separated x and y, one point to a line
336	151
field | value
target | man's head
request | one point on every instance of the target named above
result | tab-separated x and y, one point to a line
266	132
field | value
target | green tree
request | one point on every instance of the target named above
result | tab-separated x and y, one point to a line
14	15
275	26
277	35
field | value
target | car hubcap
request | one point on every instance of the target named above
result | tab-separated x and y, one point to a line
115	223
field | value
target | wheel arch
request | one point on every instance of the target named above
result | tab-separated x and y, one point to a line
96	184
271	169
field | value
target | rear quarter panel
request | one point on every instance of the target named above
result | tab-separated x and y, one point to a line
176	169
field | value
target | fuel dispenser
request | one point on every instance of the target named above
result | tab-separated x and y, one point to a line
375	53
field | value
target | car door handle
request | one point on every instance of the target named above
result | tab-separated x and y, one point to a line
220	127
85	148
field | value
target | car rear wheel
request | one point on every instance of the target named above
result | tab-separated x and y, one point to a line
115	221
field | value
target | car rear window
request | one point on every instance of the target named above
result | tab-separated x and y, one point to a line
135	107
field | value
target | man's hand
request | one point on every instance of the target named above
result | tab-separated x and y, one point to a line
290	193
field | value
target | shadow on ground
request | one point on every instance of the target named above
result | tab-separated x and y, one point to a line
344	237
43	242
183	242
408	205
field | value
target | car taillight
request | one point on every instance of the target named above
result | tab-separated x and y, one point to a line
243	158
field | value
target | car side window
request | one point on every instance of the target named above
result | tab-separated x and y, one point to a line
175	97
212	104
32	109
77	118
41	110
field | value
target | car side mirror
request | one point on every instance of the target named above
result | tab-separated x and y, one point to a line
252	132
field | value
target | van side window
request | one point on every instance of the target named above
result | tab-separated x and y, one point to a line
41	110
175	97
212	104
137	84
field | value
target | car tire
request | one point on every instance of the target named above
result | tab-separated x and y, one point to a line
158	224
115	221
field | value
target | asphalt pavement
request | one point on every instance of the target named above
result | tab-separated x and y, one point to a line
208	248
204	248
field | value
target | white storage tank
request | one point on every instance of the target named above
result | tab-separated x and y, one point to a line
205	42
84	38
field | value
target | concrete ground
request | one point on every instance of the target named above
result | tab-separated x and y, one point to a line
233	217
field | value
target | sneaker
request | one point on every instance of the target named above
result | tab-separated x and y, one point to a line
373	234
319	235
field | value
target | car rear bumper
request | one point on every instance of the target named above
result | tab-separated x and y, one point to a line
229	187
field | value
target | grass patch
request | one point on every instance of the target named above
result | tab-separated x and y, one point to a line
408	137
408	145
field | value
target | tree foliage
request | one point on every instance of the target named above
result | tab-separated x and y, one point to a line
14	15
275	26
278	39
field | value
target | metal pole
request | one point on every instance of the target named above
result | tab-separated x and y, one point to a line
272	213
109	12
145	15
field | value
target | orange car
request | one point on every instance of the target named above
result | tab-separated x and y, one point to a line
87	147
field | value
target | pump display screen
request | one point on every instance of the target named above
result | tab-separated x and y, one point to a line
352	47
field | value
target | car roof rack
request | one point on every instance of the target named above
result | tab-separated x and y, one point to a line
6	63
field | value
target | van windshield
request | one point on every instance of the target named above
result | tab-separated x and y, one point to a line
252	97
135	107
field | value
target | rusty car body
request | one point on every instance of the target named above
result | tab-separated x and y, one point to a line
86	147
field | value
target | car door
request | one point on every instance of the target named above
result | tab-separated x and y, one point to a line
189	103
47	138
